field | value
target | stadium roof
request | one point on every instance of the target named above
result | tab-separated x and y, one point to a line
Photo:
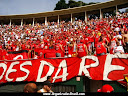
108	4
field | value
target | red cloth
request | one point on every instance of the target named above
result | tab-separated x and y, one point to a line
51	53
81	50
100	48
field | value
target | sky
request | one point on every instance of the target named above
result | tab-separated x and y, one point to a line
12	7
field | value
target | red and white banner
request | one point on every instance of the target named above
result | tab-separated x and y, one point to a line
108	67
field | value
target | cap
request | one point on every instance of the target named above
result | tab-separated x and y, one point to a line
106	88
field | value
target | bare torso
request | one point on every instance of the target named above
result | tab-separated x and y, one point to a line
125	37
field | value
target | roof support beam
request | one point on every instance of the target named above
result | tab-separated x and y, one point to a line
10	22
116	9
58	19
21	22
46	20
101	14
71	17
33	22
86	16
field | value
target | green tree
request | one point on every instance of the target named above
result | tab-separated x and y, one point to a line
72	3
92	3
126	10
82	3
61	5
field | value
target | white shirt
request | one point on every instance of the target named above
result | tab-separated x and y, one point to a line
119	36
118	49
42	90
117	29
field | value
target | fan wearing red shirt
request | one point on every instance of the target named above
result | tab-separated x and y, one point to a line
9	48
72	49
96	39
88	40
112	43
14	47
37	47
82	49
50	52
5	54
101	47
23	47
2	53
59	50
46	45
28	48
42	44
31	53
41	53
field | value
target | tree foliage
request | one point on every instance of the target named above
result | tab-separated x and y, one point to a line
61	5
71	3
126	10
82	3
91	3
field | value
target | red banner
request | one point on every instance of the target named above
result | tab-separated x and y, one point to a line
15	55
108	67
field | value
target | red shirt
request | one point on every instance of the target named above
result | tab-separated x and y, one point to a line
92	38
14	47
70	50
81	50
59	50
2	53
100	48
23	46
96	39
50	53
40	53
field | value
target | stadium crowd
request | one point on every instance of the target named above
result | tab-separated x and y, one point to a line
77	39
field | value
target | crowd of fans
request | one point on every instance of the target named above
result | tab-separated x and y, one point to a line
66	39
